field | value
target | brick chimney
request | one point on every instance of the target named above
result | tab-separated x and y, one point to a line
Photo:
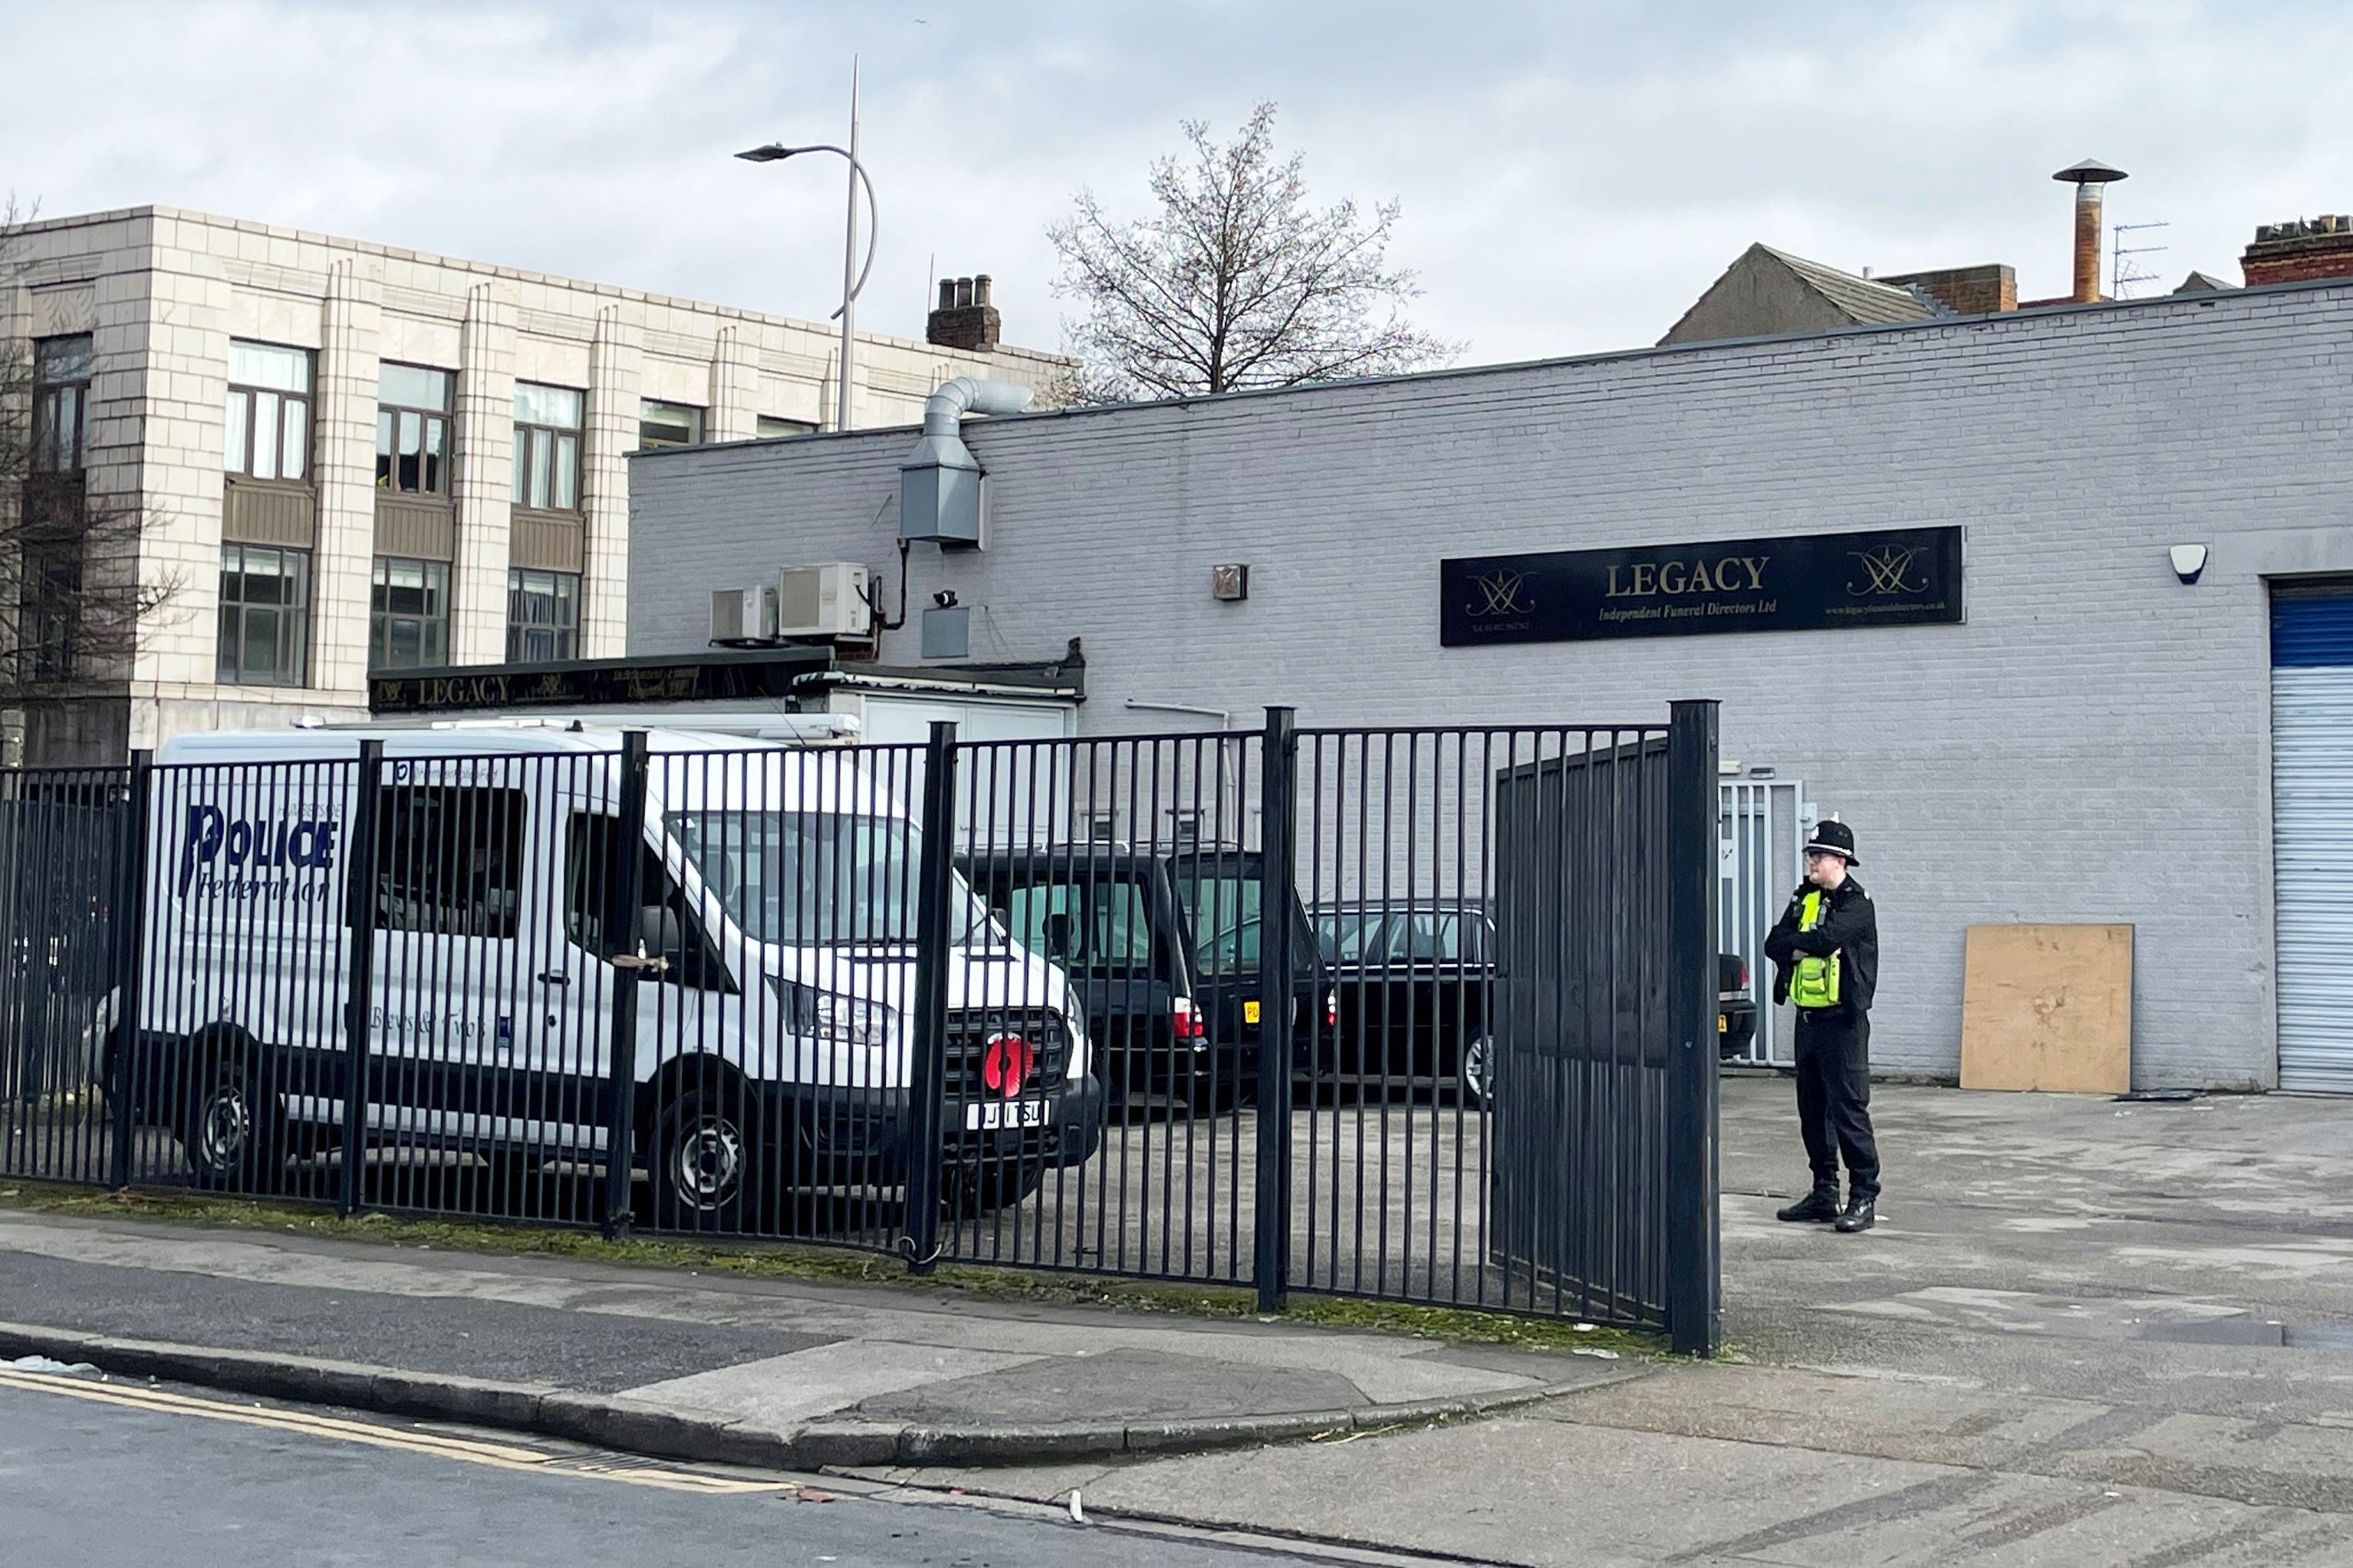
964	320
1966	290
2307	247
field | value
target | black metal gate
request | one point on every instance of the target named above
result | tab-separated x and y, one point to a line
1413	1014
63	834
1605	1172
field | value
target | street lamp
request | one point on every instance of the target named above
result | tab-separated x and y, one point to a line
853	276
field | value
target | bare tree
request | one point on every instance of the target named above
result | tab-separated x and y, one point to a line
1236	282
72	598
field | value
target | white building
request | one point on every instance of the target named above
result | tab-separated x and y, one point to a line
2105	735
349	456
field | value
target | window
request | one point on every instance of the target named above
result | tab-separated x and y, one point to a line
817	878
1222	908
61	403
547	447
1111	933
408	615
49	596
668	424
593	848
450	859
1353	936
542	617
771	428
268	435
412	430
265	616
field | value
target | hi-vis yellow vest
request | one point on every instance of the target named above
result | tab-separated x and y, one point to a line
1816	983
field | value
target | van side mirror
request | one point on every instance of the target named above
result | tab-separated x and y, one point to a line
1057	932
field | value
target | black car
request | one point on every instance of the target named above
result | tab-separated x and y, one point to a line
1736	1007
1162	948
1416	981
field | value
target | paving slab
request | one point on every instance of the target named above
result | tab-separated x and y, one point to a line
843	1376
1118	1384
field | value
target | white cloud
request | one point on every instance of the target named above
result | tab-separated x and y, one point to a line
1571	181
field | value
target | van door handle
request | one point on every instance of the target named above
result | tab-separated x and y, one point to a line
554	978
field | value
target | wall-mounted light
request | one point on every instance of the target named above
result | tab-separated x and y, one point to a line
1230	584
2189	561
946	598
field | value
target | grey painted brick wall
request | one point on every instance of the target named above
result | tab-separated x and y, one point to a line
2093	745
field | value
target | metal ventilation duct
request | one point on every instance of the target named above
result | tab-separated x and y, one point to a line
939	484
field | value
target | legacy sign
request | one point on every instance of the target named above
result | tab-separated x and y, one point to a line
1811	582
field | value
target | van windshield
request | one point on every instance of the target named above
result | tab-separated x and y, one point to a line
817	878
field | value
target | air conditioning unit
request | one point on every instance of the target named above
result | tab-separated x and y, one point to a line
826	601
744	617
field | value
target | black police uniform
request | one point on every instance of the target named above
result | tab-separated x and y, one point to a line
1834	1042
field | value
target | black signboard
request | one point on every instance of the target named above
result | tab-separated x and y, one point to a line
709	679
1811	582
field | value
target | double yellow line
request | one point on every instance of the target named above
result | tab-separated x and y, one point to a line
473	1451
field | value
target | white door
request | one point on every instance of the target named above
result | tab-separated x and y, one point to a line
452	862
681	1008
2312	835
1760	827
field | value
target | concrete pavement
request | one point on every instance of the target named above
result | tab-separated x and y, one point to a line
761	1371
2086	1332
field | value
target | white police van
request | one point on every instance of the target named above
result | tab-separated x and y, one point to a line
771	961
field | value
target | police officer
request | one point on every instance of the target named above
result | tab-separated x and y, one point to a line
1825	953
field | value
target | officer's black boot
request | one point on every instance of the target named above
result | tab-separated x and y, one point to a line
1861	1214
1821	1205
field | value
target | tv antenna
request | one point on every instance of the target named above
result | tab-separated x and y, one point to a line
2123	275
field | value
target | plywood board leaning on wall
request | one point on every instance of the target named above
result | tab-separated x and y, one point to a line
2048	1008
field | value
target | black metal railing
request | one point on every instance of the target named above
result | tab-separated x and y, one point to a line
1419	1014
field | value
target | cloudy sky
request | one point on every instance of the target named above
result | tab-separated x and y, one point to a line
1572	175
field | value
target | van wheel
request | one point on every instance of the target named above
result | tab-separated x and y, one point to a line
1475	1070
232	1133
967	1191
704	1173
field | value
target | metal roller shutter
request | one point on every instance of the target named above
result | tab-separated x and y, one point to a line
2312	835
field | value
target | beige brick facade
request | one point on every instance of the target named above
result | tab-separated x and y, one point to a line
164	293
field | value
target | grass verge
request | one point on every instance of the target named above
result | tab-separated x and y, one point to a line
788	1260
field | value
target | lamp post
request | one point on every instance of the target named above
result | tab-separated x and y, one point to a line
853	276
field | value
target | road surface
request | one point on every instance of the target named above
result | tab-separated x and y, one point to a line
94	1472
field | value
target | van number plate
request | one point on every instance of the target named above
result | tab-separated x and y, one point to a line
992	1114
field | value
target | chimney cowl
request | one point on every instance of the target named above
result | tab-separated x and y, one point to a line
2090	172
